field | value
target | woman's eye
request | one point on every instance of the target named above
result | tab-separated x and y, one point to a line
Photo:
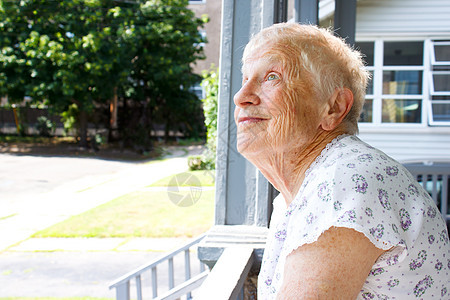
272	77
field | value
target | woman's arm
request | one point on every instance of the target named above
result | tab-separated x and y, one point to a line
333	267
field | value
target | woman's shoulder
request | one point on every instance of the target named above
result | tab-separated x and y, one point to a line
358	186
356	170
348	153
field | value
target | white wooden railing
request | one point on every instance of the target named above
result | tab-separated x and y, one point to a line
227	278
122	284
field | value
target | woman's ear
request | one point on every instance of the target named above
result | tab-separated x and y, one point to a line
337	107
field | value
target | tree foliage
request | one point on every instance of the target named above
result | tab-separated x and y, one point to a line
73	55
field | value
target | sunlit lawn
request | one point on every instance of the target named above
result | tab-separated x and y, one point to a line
193	178
140	214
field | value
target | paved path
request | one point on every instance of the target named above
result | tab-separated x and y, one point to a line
37	192
84	268
65	274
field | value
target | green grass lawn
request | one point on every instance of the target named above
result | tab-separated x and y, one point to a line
35	140
139	214
193	178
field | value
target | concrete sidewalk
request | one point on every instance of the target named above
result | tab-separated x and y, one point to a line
68	274
98	244
84	267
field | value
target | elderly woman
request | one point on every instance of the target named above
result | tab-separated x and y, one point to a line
350	222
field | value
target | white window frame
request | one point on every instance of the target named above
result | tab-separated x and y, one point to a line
432	92
197	2
431	79
377	97
420	97
432	53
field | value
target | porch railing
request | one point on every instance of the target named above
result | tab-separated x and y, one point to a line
435	178
123	284
227	278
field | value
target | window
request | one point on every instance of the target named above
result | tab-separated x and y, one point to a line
408	81
402	70
440	54
439	79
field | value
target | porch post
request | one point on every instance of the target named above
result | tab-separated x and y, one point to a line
242	209
306	11
240	191
345	19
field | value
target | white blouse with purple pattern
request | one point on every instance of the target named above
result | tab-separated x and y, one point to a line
353	185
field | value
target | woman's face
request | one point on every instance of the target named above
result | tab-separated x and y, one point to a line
275	108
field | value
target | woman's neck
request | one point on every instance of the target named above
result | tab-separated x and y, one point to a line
286	169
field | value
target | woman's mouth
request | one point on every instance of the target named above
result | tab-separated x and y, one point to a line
250	120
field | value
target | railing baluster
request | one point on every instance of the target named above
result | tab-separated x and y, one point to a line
187	268
171	276
154	283
138	287
444	195
202	267
122	285
425	182
434	191
123	291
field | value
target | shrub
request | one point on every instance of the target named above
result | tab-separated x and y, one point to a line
45	126
207	161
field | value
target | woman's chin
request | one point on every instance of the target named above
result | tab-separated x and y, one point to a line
249	149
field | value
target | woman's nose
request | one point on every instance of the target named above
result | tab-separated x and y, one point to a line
247	95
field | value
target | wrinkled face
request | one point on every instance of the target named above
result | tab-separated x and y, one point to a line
275	110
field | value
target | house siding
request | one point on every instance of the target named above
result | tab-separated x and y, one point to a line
400	20
411	146
402	17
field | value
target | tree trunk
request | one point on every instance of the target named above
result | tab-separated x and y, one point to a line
166	131
113	133
16	119
83	128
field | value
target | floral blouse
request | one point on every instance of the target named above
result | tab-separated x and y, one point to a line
353	185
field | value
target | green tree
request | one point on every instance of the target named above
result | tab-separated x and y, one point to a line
76	54
14	70
60	53
165	41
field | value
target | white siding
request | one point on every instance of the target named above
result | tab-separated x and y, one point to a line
402	17
411	145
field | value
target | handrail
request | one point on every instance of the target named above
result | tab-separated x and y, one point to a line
185	287
122	284
227	278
